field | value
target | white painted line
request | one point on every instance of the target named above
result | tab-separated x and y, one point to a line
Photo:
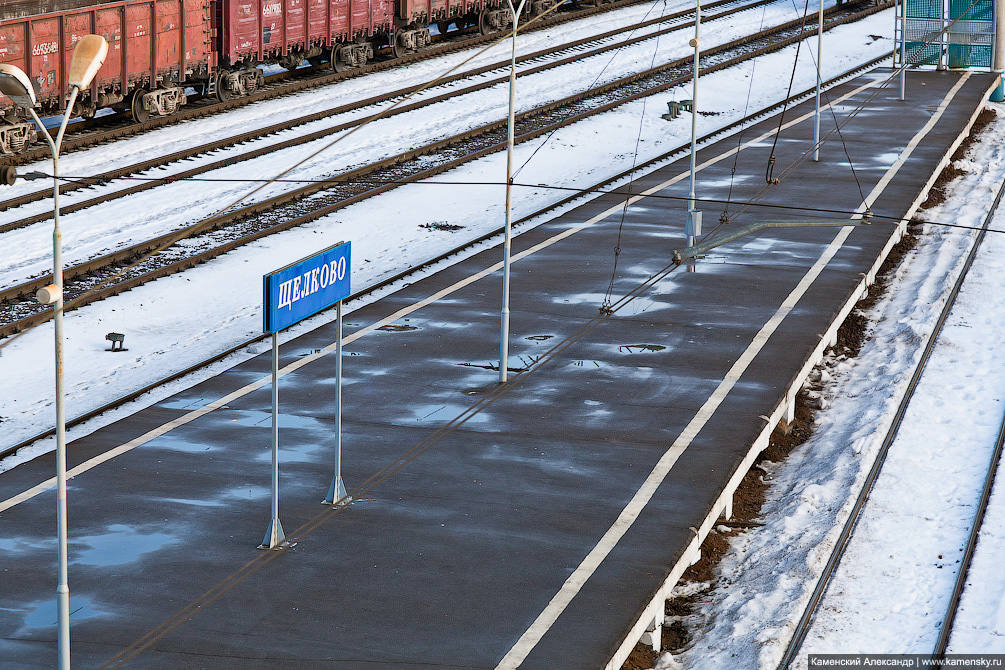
572	586
292	367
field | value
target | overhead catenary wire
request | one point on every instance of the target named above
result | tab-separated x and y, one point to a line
168	242
868	99
794	209
183	234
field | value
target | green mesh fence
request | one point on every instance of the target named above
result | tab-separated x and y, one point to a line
957	33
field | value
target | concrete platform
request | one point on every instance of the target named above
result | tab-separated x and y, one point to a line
545	531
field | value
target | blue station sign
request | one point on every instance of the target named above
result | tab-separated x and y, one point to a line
304	288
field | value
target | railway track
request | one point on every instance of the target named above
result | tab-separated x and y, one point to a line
553	57
91	132
980	506
102	277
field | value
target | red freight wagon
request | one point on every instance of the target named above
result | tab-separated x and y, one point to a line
488	15
155	49
286	32
442	12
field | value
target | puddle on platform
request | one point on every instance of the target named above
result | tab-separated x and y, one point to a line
254	419
184	403
247	493
292	453
581	299
122	544
42	613
193	502
585	364
177	443
228	497
539	338
640	348
20	544
479	390
442	413
397	328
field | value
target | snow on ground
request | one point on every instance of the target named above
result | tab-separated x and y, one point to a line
181	320
893	585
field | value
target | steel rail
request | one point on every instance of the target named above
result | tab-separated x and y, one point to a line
595	189
946	629
968	556
23	291
186	154
802	627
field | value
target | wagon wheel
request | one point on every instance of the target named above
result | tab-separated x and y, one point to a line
484	27
223	94
442	27
397	48
140	113
336	61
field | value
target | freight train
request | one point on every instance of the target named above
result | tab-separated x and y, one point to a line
159	49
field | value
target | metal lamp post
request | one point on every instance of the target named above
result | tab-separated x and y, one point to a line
88	56
692	227
504	325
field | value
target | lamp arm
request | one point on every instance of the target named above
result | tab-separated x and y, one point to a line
66	118
42	131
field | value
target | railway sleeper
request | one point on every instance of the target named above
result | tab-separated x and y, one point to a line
16	137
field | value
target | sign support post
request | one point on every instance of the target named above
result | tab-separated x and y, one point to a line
291	294
336	492
274	536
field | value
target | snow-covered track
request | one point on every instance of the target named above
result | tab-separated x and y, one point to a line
91	132
550	58
834	560
942	644
102	277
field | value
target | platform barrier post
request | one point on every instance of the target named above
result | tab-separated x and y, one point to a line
998	60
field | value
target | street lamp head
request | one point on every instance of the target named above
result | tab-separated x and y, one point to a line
14	83
88	56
